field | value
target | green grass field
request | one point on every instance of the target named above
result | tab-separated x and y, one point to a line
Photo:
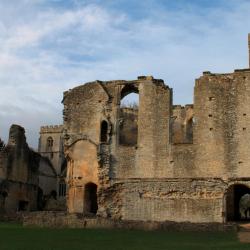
15	237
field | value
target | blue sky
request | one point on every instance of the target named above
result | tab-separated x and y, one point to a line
49	46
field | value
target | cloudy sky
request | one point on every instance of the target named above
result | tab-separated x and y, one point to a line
49	46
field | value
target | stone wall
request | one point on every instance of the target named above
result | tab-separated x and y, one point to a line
153	129
63	220
19	173
221	130
173	200
159	162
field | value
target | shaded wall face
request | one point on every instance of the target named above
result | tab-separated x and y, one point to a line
19	182
3	170
221	131
54	153
20	193
21	163
47	177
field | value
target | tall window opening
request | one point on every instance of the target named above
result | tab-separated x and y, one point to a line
128	120
49	143
90	199
238	203
189	131
104	131
62	189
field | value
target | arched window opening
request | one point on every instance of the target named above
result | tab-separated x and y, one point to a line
104	132
62	189
128	120
90	199
238	203
49	144
130	101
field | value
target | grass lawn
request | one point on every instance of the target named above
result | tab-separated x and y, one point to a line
15	237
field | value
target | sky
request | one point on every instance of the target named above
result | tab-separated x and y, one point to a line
50	46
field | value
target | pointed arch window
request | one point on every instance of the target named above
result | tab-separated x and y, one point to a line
50	143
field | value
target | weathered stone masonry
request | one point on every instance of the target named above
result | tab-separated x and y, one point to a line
152	162
18	174
159	161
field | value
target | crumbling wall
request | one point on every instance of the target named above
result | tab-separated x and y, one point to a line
178	169
22	162
193	200
19	183
84	111
221	132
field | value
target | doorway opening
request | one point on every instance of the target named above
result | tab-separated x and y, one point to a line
23	205
234	204
90	199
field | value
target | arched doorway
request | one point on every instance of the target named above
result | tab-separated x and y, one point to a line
233	196
90	199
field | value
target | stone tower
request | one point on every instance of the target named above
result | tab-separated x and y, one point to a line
51	147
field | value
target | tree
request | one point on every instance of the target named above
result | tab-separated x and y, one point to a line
2	145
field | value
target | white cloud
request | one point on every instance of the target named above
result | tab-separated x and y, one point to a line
45	50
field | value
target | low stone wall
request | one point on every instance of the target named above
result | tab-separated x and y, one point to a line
63	220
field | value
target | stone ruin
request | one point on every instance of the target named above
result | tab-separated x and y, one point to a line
18	174
155	161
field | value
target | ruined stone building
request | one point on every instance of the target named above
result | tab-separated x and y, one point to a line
19	166
154	161
31	181
159	161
